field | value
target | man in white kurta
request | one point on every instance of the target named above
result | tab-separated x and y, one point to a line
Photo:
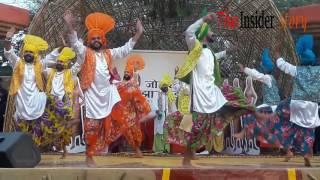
206	98
95	77
27	86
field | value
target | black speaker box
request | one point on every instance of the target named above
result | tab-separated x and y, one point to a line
17	150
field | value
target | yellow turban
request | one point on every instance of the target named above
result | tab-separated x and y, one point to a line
34	44
66	55
166	81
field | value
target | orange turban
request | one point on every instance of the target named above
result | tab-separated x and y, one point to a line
136	61
98	24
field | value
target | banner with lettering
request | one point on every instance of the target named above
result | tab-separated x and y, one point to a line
156	64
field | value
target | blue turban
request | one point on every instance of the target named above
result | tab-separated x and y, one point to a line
266	64
304	47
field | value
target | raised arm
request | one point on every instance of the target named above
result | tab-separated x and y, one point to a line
281	63
50	60
286	67
123	51
8	49
75	43
264	78
221	54
190	35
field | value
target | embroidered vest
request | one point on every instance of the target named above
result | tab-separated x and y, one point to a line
306	84
271	95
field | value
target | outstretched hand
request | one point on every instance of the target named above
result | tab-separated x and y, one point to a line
209	18
241	66
69	19
10	33
176	70
278	48
139	30
139	27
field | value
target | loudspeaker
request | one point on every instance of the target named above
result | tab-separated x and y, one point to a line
17	150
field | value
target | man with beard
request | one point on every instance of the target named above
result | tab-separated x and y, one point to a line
127	113
201	70
58	112
27	84
166	105
96	76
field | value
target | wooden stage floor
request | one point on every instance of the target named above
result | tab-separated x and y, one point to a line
157	167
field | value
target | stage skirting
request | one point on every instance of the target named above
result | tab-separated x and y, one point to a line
151	167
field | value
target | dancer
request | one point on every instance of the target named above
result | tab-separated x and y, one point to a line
96	76
27	84
127	113
200	69
270	91
166	105
58	111
293	124
299	116
172	130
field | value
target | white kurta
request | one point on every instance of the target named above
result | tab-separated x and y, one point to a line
165	110
302	113
206	96
29	101
58	85
264	78
101	96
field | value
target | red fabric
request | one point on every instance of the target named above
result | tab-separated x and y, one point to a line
147	129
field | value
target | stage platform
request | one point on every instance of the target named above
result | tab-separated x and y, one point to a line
161	167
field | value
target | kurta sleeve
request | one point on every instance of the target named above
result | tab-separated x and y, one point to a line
11	57
266	79
190	33
51	59
78	47
221	54
123	51
287	67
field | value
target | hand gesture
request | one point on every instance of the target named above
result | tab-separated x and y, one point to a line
209	18
139	27
139	31
176	70
278	48
10	33
68	17
241	67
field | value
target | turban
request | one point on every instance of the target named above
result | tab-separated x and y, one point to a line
34	44
66	55
202	32
137	61
98	24
304	47
266	64
165	81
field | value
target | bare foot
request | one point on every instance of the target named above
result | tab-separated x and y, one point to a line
289	155
64	155
239	135
194	157
72	145
307	162
90	162
186	162
138	154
